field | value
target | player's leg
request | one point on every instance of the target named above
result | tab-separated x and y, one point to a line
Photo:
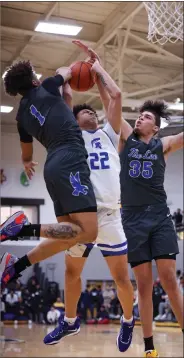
167	272
113	245
118	266
164	249
75	259
137	228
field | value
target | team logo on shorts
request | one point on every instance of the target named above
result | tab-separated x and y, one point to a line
77	186
96	143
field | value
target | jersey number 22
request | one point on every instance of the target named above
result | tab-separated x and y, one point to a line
99	161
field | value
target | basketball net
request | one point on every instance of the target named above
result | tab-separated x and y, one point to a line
165	21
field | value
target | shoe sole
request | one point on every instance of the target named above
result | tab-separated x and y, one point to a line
68	335
4	261
17	217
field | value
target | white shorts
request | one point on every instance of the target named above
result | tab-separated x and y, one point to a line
111	238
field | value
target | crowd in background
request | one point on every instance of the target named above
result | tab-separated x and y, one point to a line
178	219
97	304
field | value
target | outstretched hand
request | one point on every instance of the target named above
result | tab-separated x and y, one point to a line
91	53
29	168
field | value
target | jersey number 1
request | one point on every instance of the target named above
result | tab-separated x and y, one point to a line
99	161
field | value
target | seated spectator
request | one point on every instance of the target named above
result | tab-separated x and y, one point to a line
108	295
59	305
115	310
178	218
11	302
178	275
22	312
158	293
33	280
96	298
36	305
103	316
53	316
87	303
18	289
165	311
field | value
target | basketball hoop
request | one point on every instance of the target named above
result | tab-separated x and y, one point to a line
165	21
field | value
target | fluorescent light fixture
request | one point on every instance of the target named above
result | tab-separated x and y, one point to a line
39	75
52	28
176	106
163	123
6	109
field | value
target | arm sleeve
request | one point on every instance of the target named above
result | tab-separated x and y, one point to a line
24	136
52	84
114	137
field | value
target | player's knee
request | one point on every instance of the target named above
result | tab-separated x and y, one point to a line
168	279
91	233
144	286
72	274
121	279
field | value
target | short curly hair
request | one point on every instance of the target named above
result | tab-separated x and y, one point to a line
158	108
80	107
19	78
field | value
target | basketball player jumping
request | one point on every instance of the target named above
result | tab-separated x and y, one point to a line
146	218
103	159
43	114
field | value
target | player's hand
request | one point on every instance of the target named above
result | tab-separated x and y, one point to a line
95	66
65	72
90	52
29	168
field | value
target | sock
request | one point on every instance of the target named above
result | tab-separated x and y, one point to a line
70	320
127	320
30	230
148	342
22	264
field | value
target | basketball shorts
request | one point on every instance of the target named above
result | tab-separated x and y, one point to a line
111	239
67	178
150	233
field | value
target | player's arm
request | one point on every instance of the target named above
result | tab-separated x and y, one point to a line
26	144
52	84
173	143
113	103
67	94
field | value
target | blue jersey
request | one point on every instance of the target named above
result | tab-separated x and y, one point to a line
142	172
44	115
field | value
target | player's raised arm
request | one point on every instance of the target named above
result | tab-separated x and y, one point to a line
67	94
115	103
173	143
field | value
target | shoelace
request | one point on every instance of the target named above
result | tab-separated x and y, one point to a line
56	333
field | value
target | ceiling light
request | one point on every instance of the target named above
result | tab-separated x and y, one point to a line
58	29
176	106
6	109
178	100
163	123
39	75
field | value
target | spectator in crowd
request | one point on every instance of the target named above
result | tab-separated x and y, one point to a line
22	311
115	310
108	295
36	304
59	305
103	316
165	311
33	280
87	303
53	315
178	275
178	218
11	302
96	299
18	289
158	293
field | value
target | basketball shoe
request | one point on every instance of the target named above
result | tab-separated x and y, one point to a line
124	338
10	229
63	330
7	271
151	353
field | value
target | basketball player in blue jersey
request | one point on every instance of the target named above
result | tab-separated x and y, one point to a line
44	115
146	218
102	147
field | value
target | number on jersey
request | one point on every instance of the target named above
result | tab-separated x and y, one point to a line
99	160
138	168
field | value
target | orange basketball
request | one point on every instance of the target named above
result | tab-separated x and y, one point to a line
82	78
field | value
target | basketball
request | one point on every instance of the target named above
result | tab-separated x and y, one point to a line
82	78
